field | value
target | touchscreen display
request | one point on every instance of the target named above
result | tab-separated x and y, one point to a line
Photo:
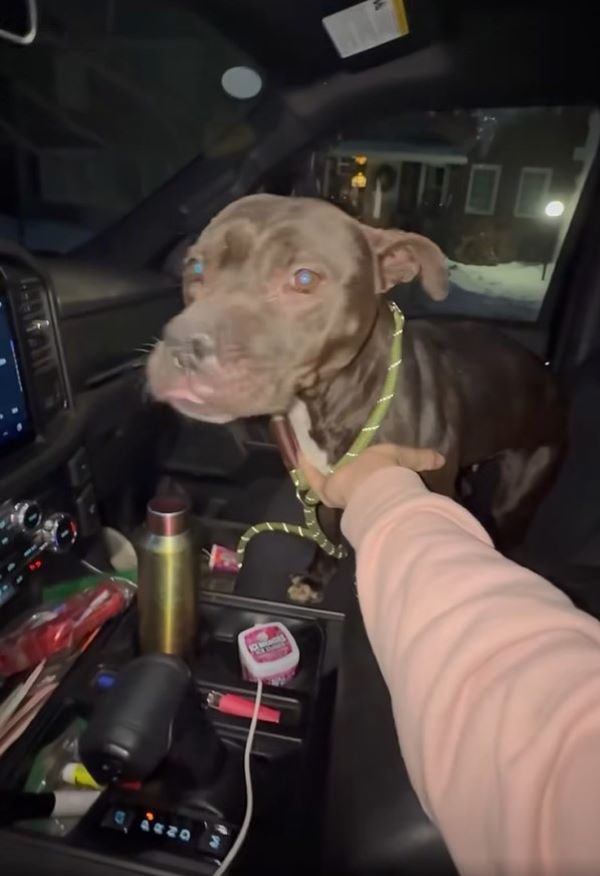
15	421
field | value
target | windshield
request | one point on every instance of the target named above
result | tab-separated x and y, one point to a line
109	102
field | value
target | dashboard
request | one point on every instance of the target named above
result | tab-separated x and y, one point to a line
35	405
58	331
15	418
33	382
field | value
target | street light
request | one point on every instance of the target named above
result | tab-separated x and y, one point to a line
554	209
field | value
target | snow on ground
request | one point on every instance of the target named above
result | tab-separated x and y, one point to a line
513	280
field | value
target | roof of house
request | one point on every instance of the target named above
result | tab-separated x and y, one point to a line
425	153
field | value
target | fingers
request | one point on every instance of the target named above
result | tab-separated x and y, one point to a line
423	459
335	490
414	458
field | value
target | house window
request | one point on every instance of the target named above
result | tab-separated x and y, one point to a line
483	189
433	186
453	177
532	193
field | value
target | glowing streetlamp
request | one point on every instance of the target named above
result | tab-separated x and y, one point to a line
554	209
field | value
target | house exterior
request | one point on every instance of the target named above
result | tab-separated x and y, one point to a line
488	186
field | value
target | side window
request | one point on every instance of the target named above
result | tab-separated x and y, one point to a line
483	189
532	194
496	189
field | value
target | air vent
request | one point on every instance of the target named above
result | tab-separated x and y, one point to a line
37	343
32	300
33	308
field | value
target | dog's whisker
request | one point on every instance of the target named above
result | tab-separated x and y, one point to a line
146	349
151	344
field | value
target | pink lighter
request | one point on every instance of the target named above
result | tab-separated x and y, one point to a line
231	704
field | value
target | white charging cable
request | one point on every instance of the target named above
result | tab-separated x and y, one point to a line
110	575
229	858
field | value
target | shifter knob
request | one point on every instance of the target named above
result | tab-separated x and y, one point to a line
131	730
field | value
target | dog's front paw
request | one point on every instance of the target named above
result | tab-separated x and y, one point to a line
305	590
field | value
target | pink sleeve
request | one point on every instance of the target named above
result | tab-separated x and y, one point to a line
494	678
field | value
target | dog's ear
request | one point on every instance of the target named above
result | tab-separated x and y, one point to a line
404	255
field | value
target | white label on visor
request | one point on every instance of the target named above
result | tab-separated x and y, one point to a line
366	26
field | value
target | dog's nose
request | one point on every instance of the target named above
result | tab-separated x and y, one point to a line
187	351
202	345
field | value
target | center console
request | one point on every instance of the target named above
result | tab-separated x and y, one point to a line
184	819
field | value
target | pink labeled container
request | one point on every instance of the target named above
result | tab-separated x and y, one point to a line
269	653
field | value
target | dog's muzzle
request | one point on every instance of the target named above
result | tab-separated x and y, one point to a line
187	354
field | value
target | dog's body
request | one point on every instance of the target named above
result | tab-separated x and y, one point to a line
463	389
284	316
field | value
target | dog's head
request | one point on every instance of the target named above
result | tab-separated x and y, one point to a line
279	293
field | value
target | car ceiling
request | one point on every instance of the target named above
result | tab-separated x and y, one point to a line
465	53
526	47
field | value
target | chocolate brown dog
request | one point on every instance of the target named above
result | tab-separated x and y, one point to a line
284	313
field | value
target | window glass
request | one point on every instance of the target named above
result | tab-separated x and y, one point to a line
483	189
532	192
108	103
495	188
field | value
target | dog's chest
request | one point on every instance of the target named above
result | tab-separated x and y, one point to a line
300	422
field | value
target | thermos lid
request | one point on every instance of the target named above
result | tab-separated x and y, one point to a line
167	515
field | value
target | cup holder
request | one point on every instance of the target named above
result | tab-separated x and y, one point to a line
218	655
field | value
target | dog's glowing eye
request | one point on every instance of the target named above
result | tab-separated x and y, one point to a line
305	280
193	279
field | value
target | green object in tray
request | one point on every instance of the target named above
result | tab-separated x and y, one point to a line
65	589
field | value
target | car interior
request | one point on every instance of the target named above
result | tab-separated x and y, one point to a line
125	126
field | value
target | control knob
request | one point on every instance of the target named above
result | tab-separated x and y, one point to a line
26	516
58	533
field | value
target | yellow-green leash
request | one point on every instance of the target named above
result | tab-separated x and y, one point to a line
309	501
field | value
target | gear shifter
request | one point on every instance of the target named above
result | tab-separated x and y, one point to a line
131	732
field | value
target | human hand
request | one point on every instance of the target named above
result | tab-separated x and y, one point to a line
335	490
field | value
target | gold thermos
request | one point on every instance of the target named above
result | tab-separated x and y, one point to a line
166	595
